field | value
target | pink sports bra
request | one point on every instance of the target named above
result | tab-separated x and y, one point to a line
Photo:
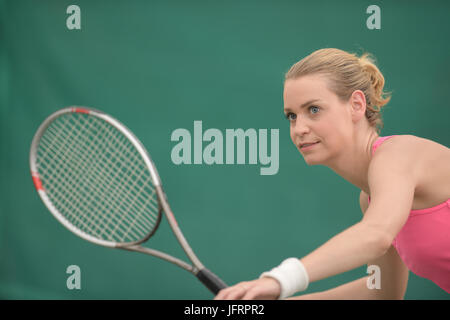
424	241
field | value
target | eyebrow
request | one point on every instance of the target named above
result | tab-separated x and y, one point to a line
304	104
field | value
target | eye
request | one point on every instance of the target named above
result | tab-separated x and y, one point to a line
291	116
314	109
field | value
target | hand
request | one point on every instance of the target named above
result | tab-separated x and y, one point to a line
260	289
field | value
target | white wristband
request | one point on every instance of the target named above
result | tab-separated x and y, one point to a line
292	276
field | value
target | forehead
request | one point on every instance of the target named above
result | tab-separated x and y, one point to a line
306	88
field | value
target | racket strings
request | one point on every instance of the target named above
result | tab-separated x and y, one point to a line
61	181
105	202
99	181
107	139
137	199
100	162
99	225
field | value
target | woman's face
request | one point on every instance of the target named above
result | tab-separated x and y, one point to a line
316	115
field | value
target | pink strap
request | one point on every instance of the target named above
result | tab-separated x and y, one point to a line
378	142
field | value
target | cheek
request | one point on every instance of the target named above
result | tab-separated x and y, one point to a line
291	132
329	125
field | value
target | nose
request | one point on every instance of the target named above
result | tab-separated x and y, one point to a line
300	128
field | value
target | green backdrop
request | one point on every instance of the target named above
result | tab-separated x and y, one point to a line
161	65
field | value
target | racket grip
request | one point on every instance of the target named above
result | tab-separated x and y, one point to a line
211	281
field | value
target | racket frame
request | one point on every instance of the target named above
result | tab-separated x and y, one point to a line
161	196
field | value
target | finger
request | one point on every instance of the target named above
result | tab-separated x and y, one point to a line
237	293
252	294
233	291
260	292
225	293
222	294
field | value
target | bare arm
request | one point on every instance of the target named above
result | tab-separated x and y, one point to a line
394	273
354	290
394	278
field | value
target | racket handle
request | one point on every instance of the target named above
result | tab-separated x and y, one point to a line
211	281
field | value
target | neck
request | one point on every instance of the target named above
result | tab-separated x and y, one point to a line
353	162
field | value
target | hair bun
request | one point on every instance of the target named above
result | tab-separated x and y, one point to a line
378	99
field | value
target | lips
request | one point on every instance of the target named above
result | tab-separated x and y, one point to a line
307	144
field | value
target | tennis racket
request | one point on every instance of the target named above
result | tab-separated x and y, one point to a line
98	180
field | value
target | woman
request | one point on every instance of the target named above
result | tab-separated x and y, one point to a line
332	100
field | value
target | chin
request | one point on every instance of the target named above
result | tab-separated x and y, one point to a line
310	161
318	157
313	159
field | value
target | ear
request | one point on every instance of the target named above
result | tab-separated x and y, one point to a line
358	105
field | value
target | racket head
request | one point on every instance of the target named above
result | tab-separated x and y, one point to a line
80	162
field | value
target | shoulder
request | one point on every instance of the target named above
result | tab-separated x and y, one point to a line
407	145
392	179
404	143
399	154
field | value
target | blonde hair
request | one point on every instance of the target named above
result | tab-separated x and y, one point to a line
346	72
